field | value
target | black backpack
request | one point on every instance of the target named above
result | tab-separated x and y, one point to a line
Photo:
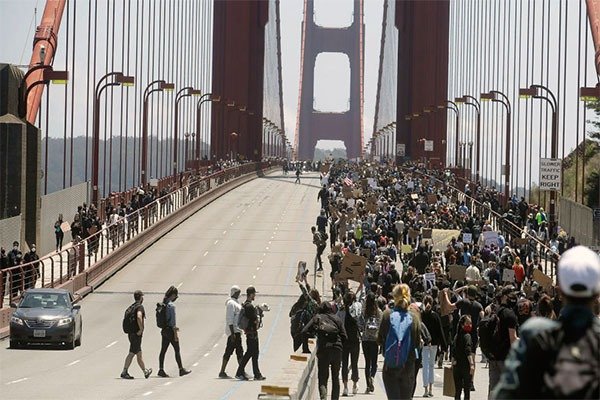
130	324
327	328
161	315
560	370
488	336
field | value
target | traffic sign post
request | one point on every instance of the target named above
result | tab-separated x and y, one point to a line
550	174
429	145
400	149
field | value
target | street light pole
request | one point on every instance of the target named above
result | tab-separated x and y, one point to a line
203	99
474	103
119	79
162	85
184	92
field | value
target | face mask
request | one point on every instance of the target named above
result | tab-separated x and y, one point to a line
468	328
16	248
33	250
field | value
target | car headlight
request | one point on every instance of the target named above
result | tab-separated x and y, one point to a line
64	321
16	320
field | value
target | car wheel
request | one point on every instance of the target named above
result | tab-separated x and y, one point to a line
78	341
71	345
14	344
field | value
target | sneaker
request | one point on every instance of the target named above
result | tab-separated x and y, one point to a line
426	394
125	375
355	388
241	377
183	371
223	375
260	378
162	373
147	373
345	392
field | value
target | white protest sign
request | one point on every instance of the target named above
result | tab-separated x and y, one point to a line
550	173
490	238
467	238
401	149
429	145
508	275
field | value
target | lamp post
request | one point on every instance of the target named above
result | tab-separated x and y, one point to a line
472	101
450	105
118	79
535	91
499	97
184	92
48	75
232	138
203	99
162	86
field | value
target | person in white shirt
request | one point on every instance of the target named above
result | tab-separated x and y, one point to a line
472	274
233	332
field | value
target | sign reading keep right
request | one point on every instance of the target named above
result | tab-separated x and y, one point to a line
550	173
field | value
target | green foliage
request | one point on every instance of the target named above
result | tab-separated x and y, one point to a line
594	105
593	189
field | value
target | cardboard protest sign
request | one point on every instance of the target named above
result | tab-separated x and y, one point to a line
457	272
431	199
371	206
347	191
508	275
521	241
441	238
414	196
467	237
353	267
406	248
427	233
357	193
413	233
490	238
65	227
542	279
365	252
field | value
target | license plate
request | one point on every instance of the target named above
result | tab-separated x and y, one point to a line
39	333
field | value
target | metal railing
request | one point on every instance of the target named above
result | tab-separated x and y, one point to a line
57	268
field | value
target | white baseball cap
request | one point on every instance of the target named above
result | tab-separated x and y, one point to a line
579	272
234	289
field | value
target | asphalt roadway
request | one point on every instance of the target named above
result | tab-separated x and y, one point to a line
253	235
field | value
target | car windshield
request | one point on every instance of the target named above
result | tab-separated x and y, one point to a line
45	300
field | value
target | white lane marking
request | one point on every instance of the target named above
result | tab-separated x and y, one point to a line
110	344
195	266
17	381
215	346
216	241
194	364
261	261
272	236
178	286
147	394
167	383
258	268
264	254
205	253
270	242
253	276
267	248
238	217
206	355
224	232
231	224
73	363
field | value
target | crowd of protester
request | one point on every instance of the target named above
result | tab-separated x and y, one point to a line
419	303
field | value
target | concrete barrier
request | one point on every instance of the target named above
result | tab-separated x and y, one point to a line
297	380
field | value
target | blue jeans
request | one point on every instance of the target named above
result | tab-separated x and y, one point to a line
428	354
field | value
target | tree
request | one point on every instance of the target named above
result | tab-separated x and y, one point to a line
593	189
594	105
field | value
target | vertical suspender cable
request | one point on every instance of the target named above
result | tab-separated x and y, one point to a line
121	189
66	91
577	146
585	76
73	90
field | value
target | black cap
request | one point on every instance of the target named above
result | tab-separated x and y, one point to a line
137	294
251	290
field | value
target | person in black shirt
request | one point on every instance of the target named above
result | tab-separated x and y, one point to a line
432	321
421	260
463	358
329	348
135	339
351	347
251	332
322	221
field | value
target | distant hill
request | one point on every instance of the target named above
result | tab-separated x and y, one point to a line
122	161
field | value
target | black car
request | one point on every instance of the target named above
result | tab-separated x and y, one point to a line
46	316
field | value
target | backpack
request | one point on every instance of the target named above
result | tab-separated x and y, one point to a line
398	342
488	335
299	321
161	315
327	328
568	370
130	324
371	329
243	319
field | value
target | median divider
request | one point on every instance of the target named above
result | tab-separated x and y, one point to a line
297	380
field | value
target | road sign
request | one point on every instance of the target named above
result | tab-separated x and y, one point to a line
550	173
596	214
429	145
400	149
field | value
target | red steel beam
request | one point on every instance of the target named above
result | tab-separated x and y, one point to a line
593	8
46	34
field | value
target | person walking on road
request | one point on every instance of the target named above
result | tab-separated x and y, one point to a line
372	319
297	175
251	324
170	334
58	233
560	359
232	330
135	338
463	358
331	336
320	241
